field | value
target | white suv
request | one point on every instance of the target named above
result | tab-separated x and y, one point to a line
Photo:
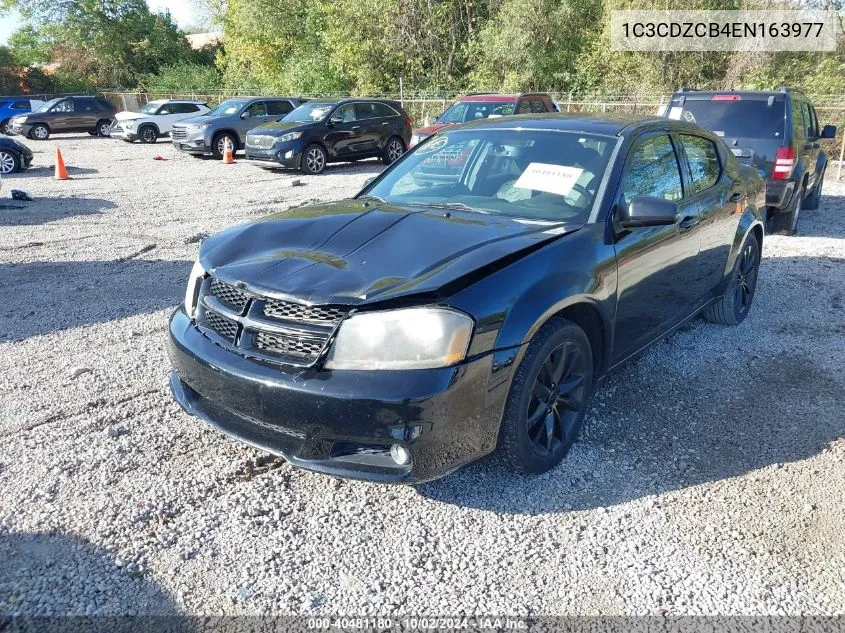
155	119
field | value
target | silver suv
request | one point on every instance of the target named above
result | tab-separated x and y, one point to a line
228	123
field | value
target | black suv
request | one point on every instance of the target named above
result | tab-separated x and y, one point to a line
320	132
66	114
777	132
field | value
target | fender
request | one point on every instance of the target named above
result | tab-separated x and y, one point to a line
143	123
748	221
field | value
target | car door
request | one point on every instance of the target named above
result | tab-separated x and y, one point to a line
717	192
60	116
253	115
656	266
371	131
86	115
166	115
343	131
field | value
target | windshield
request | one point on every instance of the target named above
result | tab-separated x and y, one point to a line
309	112
734	119
150	108
543	175
464	111
49	104
228	107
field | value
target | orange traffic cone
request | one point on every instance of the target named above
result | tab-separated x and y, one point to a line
228	159
61	172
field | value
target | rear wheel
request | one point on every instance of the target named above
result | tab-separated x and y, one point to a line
218	147
103	127
40	132
548	398
9	162
786	222
393	150
811	202
733	306
313	160
148	134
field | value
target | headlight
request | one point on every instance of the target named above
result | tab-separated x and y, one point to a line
192	292
19	119
409	338
196	128
290	136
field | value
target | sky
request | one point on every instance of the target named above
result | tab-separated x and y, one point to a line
186	13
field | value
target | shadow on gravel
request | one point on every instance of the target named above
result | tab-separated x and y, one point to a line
374	167
826	221
49	170
58	574
54	296
691	411
43	210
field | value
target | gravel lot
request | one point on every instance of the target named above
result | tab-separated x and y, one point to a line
710	478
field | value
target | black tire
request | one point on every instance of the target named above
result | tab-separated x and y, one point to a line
733	306
313	160
218	145
103	128
537	434
4	127
148	134
39	132
10	163
785	222
393	150
814	198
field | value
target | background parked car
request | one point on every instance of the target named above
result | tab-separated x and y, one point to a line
13	106
155	119
228	123
777	132
66	114
481	106
14	155
318	133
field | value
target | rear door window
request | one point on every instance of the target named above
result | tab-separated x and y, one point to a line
278	108
21	105
798	126
365	111
703	159
383	110
653	170
524	107
734	119
538	106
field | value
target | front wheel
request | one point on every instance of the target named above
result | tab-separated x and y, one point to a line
733	306
9	163
313	160
148	134
393	150
548	398
218	147
40	132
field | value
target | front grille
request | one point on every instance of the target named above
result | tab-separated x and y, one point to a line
223	326
286	345
271	329
229	294
289	311
179	133
260	141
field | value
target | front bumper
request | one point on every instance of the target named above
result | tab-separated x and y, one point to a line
284	154
21	129
126	134
192	142
338	422
779	193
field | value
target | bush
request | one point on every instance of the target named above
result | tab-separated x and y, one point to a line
183	78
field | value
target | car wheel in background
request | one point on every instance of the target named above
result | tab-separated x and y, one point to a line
9	162
733	306
103	127
5	128
548	398
811	202
218	146
313	160
786	221
393	150
147	134
40	132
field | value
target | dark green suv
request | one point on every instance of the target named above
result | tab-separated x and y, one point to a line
776	132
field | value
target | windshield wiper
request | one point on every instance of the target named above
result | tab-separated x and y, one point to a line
457	206
376	198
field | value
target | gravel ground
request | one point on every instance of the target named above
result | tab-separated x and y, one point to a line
710	478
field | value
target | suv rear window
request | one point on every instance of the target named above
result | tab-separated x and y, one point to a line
733	119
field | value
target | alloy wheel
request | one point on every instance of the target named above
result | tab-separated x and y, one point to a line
556	399
221	145
395	150
148	135
746	278
104	129
7	163
40	132
315	159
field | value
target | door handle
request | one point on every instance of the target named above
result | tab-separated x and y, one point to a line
736	197
355	127
386	123
688	222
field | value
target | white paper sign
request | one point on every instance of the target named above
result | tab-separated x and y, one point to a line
557	179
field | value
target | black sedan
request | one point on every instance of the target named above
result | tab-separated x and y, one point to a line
321	132
14	155
469	298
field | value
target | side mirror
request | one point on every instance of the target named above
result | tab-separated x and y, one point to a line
163	112
828	131
368	182
647	211
245	114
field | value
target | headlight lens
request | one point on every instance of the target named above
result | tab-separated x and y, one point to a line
195	128
409	338
290	136
192	292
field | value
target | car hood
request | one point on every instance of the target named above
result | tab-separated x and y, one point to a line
349	253
130	116
431	129
202	120
277	128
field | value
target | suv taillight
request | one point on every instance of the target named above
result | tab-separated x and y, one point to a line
784	162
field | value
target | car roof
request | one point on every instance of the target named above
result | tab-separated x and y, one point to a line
500	98
195	101
607	124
